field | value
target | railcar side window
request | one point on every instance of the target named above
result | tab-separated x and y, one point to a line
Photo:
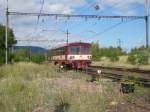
80	50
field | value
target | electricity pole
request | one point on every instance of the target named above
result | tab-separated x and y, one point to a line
119	43
6	36
147	23
67	36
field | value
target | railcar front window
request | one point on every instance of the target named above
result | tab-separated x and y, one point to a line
85	50
75	49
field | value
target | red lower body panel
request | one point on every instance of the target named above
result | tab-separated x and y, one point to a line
77	64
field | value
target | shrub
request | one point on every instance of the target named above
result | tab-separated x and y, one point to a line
114	57
37	58
143	58
132	59
2	55
21	55
95	51
140	57
112	53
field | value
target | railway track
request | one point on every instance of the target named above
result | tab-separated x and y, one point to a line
136	70
118	73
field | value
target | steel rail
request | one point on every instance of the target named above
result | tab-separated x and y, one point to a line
116	76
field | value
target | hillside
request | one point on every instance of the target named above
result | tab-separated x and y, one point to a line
33	49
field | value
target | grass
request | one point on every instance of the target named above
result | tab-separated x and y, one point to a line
122	62
28	87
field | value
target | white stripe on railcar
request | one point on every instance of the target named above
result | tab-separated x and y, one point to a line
79	57
60	57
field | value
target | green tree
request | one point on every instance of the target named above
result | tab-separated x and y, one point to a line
95	51
37	58
139	56
11	41
21	55
114	57
143	57
132	59
112	53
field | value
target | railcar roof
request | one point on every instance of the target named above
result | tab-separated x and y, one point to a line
73	44
78	43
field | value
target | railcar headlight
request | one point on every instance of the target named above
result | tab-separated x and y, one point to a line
89	57
72	57
99	71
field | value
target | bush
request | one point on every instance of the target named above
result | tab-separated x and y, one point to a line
132	59
2	55
143	58
21	55
95	51
114	57
140	57
37	58
112	53
21	58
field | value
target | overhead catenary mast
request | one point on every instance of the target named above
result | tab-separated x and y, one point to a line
67	36
147	23
6	35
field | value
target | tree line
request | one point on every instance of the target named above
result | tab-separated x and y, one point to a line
11	41
18	55
112	53
139	56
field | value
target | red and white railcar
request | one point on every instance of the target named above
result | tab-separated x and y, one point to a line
75	55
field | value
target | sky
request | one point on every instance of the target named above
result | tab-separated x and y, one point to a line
52	30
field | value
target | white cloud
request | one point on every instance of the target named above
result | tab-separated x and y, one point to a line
23	25
125	7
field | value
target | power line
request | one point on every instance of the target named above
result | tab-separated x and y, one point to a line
82	16
96	23
40	13
36	26
107	29
89	7
81	11
77	16
111	27
46	40
64	32
101	13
